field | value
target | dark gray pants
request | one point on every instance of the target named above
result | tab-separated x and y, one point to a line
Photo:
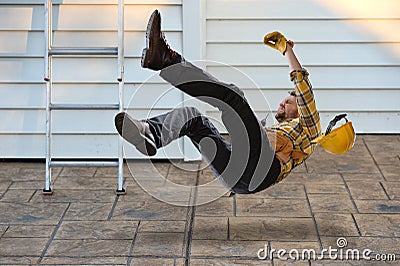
247	164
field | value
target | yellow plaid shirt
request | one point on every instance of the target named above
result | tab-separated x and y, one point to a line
302	130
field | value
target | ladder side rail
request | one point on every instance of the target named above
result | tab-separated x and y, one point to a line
121	31
47	78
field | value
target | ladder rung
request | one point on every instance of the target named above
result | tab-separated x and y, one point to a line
84	106
83	163
84	51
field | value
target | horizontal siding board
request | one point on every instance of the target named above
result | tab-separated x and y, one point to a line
139	96
162	96
356	100
99	69
321	77
93	2
84	69
22	95
33	146
311	54
311	30
136	16
134	73
126	2
75	122
331	100
23	121
74	69
33	121
382	122
152	96
21	69
22	43
22	146
85	38
79	147
76	17
31	43
134	40
302	9
76	93
69	17
21	17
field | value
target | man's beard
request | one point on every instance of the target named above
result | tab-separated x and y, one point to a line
280	117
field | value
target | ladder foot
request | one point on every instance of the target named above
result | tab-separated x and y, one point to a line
47	191
120	191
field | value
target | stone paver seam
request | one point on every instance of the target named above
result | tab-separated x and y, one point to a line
187	239
349	193
5	231
33	194
128	262
58	175
228	230
233	257
384	190
2	195
373	158
166	175
306	166
62	170
111	214
95	172
355	222
313	217
53	234
234	206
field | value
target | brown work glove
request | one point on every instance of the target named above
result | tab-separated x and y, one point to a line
277	41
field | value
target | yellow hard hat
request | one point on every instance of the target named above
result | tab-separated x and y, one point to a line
340	140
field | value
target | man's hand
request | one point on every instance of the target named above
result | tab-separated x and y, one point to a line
277	41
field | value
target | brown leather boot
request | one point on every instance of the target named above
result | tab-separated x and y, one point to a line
157	54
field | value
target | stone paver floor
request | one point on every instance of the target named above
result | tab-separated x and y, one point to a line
355	197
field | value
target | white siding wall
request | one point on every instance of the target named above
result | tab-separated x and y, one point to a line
77	23
350	47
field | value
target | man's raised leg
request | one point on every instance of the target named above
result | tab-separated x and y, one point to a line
252	154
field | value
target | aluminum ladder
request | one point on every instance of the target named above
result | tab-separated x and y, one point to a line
51	51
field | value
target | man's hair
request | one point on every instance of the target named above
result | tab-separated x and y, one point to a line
292	93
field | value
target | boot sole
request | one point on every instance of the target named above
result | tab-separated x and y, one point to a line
129	130
145	56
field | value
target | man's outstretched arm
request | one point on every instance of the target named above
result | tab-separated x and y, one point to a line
294	63
309	116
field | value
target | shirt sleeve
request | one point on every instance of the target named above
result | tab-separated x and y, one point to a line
308	114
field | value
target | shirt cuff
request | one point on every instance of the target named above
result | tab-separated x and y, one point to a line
299	75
